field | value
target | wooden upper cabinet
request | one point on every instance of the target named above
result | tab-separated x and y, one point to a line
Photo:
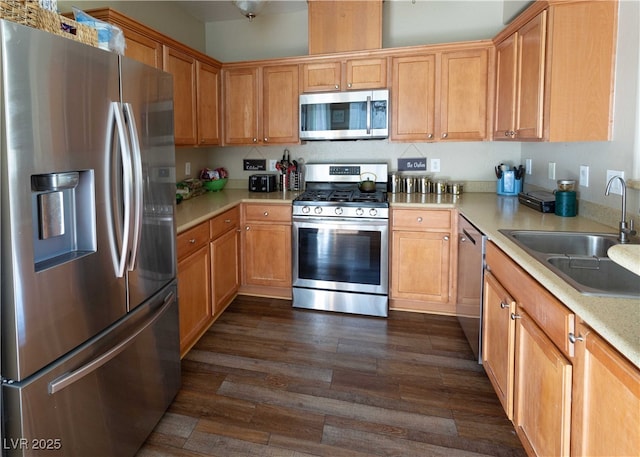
463	94
208	103
564	73
413	98
341	26
142	48
506	74
280	91
350	74
261	105
183	68
241	107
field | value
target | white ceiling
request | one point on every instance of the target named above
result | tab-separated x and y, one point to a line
225	10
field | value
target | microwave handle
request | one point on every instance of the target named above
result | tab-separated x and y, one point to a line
369	114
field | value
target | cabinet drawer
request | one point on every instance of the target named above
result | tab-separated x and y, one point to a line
267	213
421	219
225	221
192	239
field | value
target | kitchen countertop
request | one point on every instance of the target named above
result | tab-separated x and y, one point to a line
617	320
627	255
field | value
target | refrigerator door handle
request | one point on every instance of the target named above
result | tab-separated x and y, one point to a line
127	184
69	378
136	158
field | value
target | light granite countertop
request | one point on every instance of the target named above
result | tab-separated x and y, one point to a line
617	320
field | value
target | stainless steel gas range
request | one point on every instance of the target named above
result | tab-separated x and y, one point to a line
340	239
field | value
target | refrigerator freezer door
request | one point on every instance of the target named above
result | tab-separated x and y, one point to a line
57	291
147	96
104	398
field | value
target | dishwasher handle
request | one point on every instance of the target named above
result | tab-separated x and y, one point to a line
468	236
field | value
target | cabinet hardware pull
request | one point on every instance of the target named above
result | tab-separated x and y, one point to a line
337	86
266	213
446	238
503	305
444	135
430	135
419	219
247	228
266	140
255	140
192	241
227	221
515	316
349	85
573	338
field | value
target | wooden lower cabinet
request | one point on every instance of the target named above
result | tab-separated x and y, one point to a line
542	391
499	340
530	366
420	265
266	250
194	285
606	405
225	259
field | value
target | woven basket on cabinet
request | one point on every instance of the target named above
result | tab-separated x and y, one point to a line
29	13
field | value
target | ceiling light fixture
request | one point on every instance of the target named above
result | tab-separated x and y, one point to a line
250	8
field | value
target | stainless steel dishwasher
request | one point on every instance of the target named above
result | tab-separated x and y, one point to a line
471	250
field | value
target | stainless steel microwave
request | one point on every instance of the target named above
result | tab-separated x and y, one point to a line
349	115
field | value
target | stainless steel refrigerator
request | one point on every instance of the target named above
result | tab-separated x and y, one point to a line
89	318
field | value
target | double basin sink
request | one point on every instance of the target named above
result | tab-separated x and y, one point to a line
580	259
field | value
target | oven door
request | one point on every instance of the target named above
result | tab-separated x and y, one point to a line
341	254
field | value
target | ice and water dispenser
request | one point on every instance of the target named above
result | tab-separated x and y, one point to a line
64	216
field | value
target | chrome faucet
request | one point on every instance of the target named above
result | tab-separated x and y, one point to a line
626	230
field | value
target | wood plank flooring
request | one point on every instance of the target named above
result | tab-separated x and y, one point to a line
270	380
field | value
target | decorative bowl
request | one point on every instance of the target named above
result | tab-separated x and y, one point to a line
215	185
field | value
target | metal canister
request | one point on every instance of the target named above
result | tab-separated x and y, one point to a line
440	187
423	185
394	183
454	188
409	184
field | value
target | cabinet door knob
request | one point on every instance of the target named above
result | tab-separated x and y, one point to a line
349	85
255	140
446	238
430	135
503	305
227	221
515	316
419	219
192	241
266	140
337	86
573	338
444	135
507	133
266	213
247	228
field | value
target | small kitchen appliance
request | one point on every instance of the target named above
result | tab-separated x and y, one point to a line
340	239
263	183
540	200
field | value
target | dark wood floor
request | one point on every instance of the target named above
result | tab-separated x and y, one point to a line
268	380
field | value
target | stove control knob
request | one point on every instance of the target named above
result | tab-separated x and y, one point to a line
338	210
317	210
359	212
306	209
373	212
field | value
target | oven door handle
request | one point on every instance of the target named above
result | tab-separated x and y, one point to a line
329	222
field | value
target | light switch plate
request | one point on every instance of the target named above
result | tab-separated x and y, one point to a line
616	187
552	170
584	176
187	169
528	166
435	165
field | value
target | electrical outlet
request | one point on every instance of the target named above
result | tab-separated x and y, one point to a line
528	165
435	165
616	187
187	169
584	176
552	170
272	164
